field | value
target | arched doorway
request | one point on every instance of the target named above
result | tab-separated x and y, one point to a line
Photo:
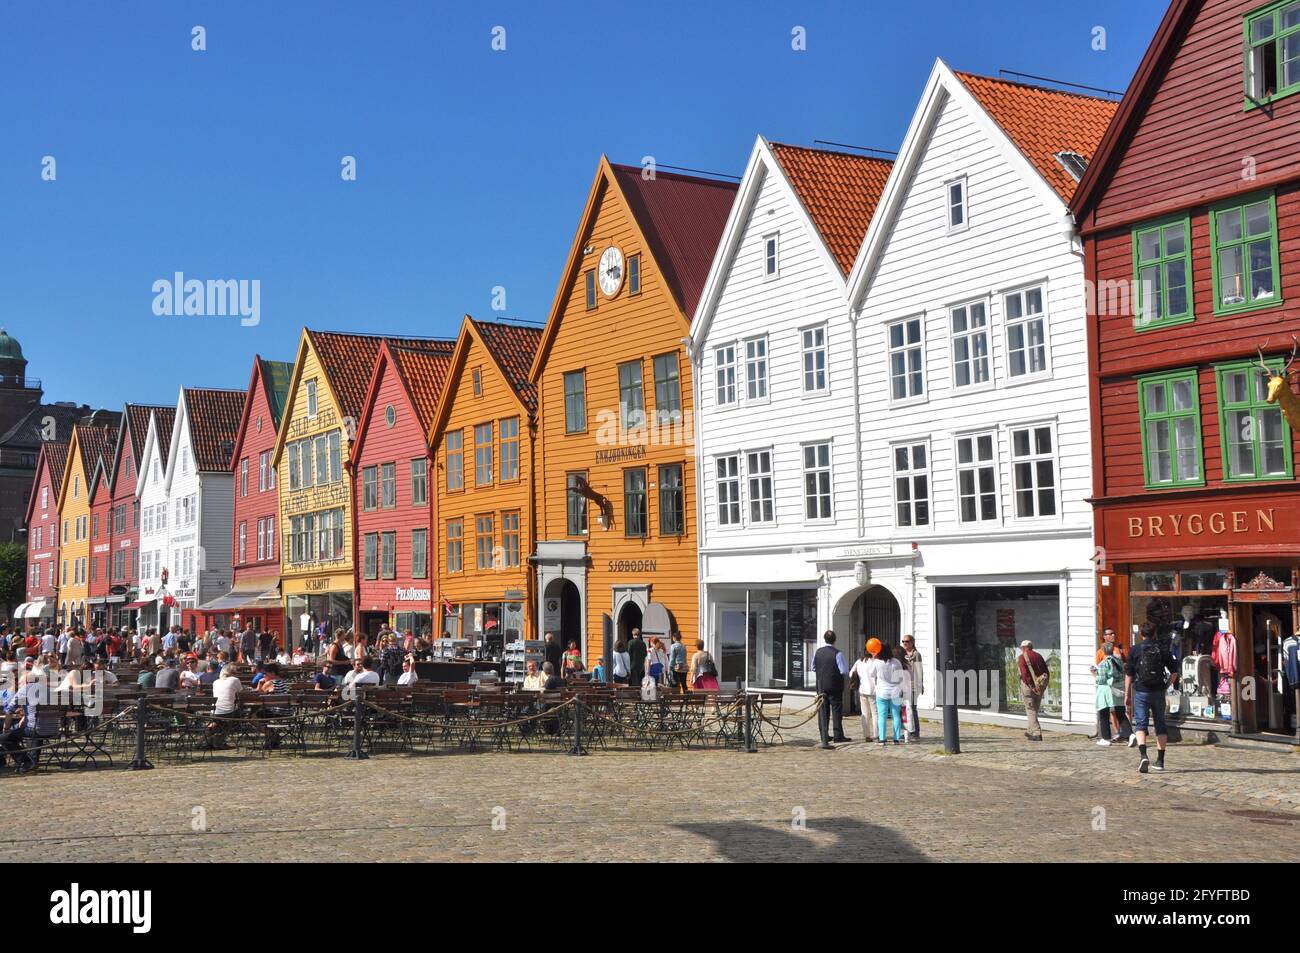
562	608
629	618
875	613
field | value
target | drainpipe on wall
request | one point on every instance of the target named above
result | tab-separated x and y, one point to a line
857	421
703	621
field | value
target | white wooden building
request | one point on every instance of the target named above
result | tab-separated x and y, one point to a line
151	489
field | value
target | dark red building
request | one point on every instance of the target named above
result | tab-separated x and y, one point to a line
254	596
100	566
43	537
1190	214
393	502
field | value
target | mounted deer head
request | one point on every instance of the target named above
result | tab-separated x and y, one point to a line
1279	384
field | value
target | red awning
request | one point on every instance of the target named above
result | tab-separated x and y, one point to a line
138	605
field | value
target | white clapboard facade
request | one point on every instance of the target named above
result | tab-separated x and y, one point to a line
775	392
968	298
151	489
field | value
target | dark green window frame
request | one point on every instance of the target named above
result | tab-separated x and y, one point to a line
1147	417
1256	406
1164	262
1223	213
1268	34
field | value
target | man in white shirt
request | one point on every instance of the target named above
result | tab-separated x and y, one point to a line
47	642
361	674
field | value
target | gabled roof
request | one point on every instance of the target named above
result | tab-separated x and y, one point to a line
510	347
1042	122
271	379
137	419
1027	124
213	418
422	374
838	190
348	359
1169	37
33	428
89	442
54	455
166	418
680	219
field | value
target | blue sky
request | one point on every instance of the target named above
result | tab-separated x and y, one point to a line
472	164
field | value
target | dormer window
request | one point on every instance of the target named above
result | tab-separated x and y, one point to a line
955	193
1073	163
770	251
1272	52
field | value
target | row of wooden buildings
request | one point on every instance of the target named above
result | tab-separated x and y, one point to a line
1006	385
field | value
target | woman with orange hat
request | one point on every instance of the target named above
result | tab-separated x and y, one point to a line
887	676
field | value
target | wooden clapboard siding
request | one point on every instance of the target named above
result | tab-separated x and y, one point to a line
1193	134
101	533
43	523
464	411
619	329
74	505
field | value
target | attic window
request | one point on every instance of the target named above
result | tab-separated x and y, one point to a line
1073	163
770	251
478	382
1272	52
390	415
955	198
312	406
634	274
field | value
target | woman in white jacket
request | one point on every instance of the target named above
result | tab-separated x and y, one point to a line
888	674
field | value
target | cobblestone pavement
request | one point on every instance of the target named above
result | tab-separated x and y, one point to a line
1002	799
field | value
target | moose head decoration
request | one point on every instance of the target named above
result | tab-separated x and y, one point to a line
1279	385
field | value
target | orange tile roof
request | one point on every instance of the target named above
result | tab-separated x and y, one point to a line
56	455
96	441
513	347
424	373
1042	122
137	416
214	417
348	360
839	191
166	419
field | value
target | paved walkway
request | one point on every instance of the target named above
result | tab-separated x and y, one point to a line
1062	799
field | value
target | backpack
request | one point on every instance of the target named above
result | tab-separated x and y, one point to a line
1150	665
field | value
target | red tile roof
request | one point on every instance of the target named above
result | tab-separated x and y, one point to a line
166	420
424	374
56	454
96	441
839	191
137	417
513	347
213	417
1042	122
682	217
348	360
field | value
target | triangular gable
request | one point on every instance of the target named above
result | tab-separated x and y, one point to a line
154	443
672	226
834	196
478	332
75	465
271	380
420	375
942	86
51	458
1169	36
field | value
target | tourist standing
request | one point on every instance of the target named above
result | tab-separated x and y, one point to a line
621	662
886	673
830	669
860	676
1033	680
636	651
916	673
677	668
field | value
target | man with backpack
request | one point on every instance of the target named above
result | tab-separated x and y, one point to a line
1149	672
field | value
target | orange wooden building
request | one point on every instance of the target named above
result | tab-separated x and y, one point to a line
616	473
483	438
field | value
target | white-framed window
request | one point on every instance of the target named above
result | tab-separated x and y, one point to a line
813	347
261	539
758	472
771	252
954	195
1033	471
312	405
911	485
977	477
906	344
817	481
728	487
1026	332
724	374
969	324
756	369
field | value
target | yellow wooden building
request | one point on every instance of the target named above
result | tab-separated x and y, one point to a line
92	438
616	473
326	393
484	440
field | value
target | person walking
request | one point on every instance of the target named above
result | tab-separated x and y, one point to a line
636	651
1149	672
1033	682
860	676
677	668
830	669
916	675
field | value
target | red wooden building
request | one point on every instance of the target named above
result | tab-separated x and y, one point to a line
393	505
254	596
100	566
43	537
1190	215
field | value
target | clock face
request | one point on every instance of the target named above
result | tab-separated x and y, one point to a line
611	271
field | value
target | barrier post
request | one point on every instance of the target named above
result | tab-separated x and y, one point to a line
749	724
140	762
358	752
577	748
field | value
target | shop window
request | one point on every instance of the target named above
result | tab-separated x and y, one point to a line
1243	244
1162	273
1171	429
1256	438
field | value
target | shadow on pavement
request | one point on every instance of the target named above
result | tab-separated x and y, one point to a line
854	841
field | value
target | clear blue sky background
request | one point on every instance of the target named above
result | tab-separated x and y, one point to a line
473	165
